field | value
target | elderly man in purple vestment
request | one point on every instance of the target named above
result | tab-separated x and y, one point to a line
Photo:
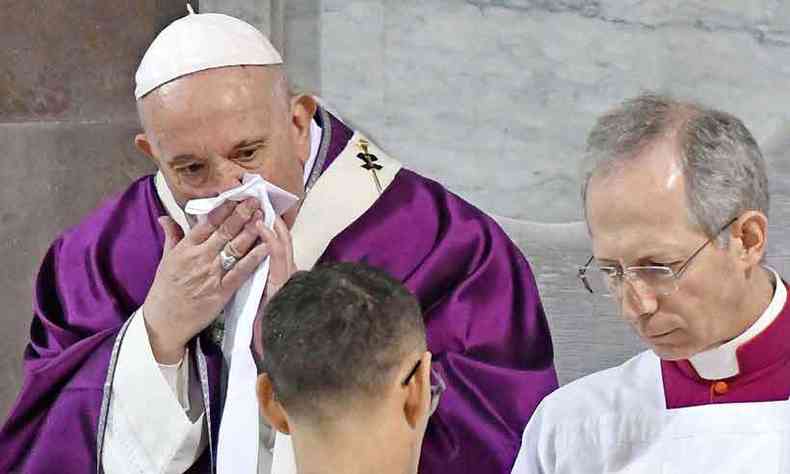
136	361
676	200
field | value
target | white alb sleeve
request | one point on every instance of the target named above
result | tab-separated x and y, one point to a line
155	421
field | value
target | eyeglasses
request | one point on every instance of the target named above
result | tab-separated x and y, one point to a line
437	386
607	280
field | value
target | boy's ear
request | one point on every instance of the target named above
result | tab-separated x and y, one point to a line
418	394
271	409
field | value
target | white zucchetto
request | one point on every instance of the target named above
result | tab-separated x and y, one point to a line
198	42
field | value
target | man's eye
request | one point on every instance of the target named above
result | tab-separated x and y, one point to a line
246	154
194	168
661	264
610	271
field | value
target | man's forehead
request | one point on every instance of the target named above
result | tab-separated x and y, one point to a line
210	112
660	161
640	206
631	247
655	172
227	87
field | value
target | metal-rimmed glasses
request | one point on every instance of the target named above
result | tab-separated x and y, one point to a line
437	386
607	280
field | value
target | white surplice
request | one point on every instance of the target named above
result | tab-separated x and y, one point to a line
616	421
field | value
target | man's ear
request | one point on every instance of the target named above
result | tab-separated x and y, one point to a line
418	394
142	144
750	232
303	109
271	409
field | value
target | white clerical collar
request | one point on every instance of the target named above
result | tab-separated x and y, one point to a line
178	215
722	362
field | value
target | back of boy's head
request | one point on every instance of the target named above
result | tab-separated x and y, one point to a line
335	335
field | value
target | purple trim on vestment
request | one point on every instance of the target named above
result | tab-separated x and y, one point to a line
341	134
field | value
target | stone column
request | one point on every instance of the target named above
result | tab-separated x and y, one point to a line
67	124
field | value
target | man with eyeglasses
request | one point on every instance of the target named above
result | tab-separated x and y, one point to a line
676	202
344	369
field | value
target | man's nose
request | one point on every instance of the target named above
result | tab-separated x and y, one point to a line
638	299
228	174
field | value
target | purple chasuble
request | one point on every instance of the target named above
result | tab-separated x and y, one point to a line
485	322
764	374
93	278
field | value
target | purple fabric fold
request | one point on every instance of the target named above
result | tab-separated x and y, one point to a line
485	323
92	279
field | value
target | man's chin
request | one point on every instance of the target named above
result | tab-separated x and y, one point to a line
669	348
669	353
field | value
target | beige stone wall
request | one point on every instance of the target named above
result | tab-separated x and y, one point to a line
67	120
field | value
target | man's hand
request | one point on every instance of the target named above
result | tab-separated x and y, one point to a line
278	244
281	267
190	287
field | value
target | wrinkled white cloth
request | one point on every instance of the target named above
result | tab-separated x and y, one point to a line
617	421
238	435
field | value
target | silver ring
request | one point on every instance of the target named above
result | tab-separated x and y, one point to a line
227	260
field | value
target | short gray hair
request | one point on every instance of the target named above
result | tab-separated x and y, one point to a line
723	167
335	334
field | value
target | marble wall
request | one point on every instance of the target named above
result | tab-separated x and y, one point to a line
494	98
